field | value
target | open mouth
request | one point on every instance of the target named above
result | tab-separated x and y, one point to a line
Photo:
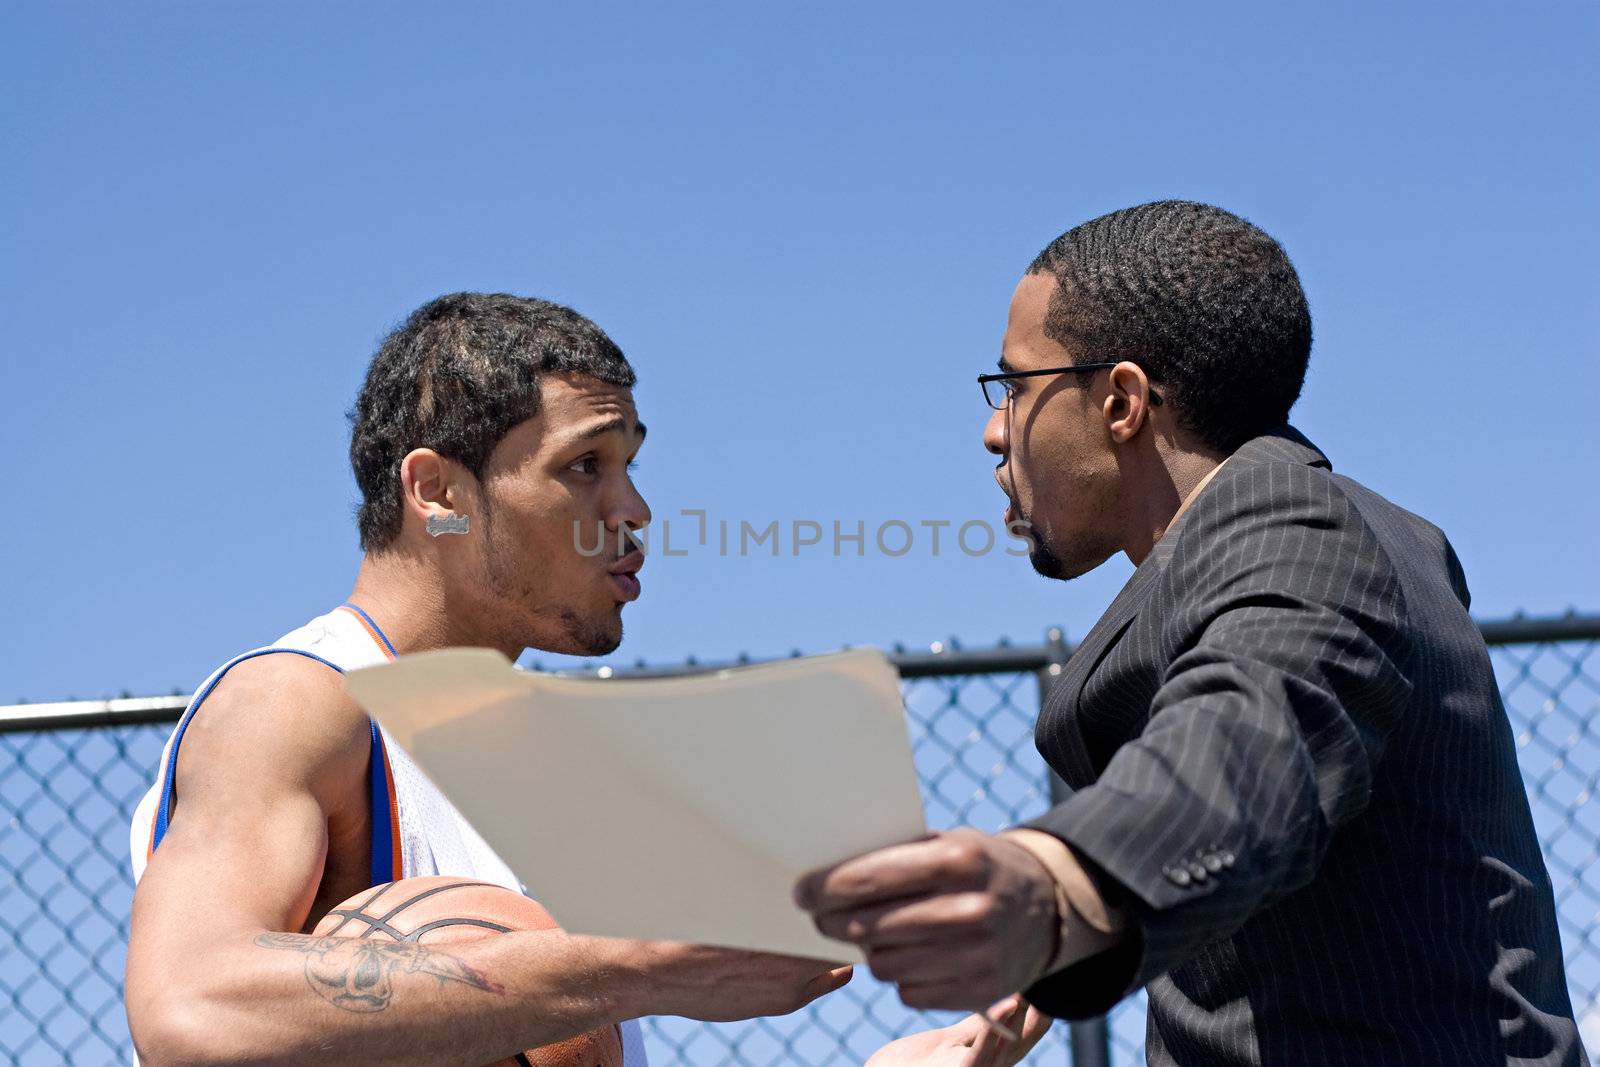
1012	514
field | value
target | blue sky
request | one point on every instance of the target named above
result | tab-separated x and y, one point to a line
803	225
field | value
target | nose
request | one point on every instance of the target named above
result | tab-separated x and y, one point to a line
995	435
631	509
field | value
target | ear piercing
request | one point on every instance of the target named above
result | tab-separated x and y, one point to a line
449	523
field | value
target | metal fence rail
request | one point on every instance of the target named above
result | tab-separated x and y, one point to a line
71	773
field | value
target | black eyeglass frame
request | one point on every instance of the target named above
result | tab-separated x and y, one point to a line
985	379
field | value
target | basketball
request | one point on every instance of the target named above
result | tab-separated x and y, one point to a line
436	910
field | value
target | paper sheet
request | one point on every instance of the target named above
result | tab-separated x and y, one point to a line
678	809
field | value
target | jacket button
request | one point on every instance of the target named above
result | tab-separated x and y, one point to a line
1227	859
1199	872
1179	877
1213	863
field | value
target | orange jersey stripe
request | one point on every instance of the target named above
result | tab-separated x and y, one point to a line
377	639
151	850
397	856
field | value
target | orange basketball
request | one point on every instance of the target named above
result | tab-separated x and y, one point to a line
435	910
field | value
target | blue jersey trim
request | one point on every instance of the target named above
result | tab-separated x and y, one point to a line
382	836
382	843
164	808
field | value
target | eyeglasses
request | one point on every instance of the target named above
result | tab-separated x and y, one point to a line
997	388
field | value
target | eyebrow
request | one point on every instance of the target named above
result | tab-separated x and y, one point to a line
600	429
1005	368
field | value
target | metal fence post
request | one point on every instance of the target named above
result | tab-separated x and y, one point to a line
1090	1041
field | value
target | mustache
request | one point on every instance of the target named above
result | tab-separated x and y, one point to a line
634	547
630	550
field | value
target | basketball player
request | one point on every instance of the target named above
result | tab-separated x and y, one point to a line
491	430
488	430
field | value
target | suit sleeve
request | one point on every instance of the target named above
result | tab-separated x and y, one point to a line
1289	673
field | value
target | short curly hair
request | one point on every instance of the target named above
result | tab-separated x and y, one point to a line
455	377
1208	304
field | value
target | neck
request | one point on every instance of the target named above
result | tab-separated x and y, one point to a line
1165	483
411	602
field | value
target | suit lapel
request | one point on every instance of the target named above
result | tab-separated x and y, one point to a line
1060	709
1105	633
1061	705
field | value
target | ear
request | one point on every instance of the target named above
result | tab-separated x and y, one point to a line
427	484
1127	404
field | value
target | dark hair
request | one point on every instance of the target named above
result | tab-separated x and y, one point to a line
456	377
1206	303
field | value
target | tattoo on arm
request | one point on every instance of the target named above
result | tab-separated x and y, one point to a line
357	974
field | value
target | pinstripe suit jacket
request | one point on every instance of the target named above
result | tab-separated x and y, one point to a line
1291	765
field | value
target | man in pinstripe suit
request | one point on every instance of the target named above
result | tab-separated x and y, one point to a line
1297	818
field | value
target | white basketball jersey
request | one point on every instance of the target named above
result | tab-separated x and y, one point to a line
415	830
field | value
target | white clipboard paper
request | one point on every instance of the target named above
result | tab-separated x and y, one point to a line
679	809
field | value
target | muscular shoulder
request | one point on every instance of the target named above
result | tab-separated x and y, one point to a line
277	718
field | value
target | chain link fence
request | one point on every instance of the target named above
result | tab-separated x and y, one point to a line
70	775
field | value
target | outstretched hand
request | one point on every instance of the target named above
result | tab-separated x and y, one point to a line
969	1043
725	984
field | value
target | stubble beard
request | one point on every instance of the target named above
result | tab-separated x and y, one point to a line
1040	553
1043	557
520	596
1050	557
1048	562
593	640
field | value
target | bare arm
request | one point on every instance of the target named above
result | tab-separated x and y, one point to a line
219	971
